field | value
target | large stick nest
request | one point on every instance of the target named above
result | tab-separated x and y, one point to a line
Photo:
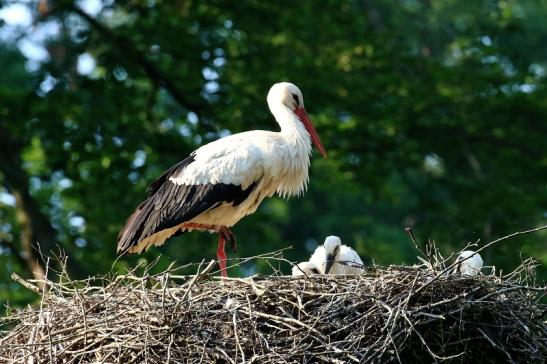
387	314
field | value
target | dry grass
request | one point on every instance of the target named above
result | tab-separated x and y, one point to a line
388	314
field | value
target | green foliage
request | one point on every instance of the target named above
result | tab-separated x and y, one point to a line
433	115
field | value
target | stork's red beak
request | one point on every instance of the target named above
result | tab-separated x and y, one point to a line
303	116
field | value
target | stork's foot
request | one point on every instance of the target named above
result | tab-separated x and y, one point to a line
228	236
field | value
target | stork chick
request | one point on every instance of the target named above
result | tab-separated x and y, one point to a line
335	258
472	264
305	268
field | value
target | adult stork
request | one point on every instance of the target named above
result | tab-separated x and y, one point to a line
225	180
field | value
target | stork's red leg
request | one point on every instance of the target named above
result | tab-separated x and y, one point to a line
221	255
224	235
229	237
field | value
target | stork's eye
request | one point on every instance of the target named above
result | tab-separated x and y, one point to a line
315	271
295	98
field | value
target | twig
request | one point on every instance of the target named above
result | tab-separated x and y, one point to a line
17	278
416	245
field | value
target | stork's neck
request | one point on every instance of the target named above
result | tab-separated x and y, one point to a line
296	157
292	129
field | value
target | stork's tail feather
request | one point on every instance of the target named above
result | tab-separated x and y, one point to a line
142	230
134	236
127	233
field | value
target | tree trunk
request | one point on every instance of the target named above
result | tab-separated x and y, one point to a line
37	234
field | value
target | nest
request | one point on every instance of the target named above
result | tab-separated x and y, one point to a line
388	314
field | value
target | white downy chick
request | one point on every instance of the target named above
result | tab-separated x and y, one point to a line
471	266
335	258
305	268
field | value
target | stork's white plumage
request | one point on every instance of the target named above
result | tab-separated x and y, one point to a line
305	268
470	263
227	179
335	258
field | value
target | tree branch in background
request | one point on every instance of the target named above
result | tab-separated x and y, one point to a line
35	226
155	74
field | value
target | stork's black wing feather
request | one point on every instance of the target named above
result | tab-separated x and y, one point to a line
168	205
158	182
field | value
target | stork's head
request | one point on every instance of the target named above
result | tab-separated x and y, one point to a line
286	94
470	263
305	268
332	246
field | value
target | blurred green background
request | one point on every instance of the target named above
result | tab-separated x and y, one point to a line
433	113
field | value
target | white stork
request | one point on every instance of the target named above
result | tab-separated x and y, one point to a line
469	263
305	268
335	258
225	180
